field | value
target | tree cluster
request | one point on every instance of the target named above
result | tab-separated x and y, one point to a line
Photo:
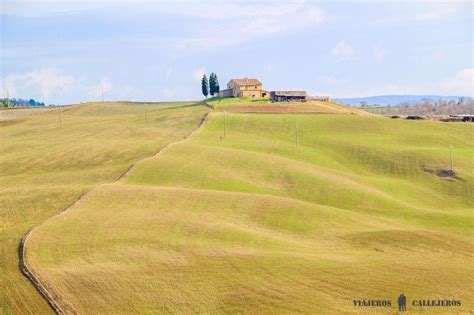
4	102
210	86
464	106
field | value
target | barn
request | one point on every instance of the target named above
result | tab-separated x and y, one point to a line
286	96
461	118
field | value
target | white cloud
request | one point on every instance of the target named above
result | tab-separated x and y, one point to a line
427	11
438	11
438	55
462	83
173	93
198	73
168	73
220	23
104	86
225	10
268	67
342	50
239	22
168	93
51	85
330	79
44	8
378	53
43	83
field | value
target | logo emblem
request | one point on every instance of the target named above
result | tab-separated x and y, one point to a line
402	302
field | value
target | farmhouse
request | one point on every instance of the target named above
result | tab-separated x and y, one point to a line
245	87
249	87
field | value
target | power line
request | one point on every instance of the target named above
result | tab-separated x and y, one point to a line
451	156
146	115
225	125
297	135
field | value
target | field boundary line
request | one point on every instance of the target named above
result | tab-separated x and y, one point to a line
58	305
166	147
205	103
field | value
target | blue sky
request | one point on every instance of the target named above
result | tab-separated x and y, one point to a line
67	51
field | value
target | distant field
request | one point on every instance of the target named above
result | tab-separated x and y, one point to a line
261	105
382	110
50	156
252	223
10	114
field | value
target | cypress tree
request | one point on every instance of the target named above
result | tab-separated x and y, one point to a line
205	86
212	83
216	84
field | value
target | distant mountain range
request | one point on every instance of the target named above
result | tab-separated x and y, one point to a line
395	99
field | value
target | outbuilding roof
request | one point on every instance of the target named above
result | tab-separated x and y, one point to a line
289	93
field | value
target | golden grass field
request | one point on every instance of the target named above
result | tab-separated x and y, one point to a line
45	166
252	223
263	105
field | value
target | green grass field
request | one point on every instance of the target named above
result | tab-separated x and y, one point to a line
264	105
226	101
253	223
45	166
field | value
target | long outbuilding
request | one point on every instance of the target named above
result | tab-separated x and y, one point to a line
285	96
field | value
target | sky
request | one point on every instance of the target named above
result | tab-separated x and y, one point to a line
64	52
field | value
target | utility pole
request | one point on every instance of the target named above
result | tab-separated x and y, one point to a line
297	135
451	156
225	125
8	99
146	115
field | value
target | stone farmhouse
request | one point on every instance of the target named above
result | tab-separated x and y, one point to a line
249	87
245	87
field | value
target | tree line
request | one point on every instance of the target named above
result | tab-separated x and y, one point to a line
464	106
6	102
210	86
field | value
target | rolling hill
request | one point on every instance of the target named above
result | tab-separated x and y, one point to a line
262	220
264	105
49	157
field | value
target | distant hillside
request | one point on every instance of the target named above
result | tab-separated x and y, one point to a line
395	99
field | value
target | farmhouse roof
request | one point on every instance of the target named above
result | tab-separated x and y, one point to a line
246	81
290	93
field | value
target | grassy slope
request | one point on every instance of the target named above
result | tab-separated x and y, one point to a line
223	101
262	105
250	223
44	168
